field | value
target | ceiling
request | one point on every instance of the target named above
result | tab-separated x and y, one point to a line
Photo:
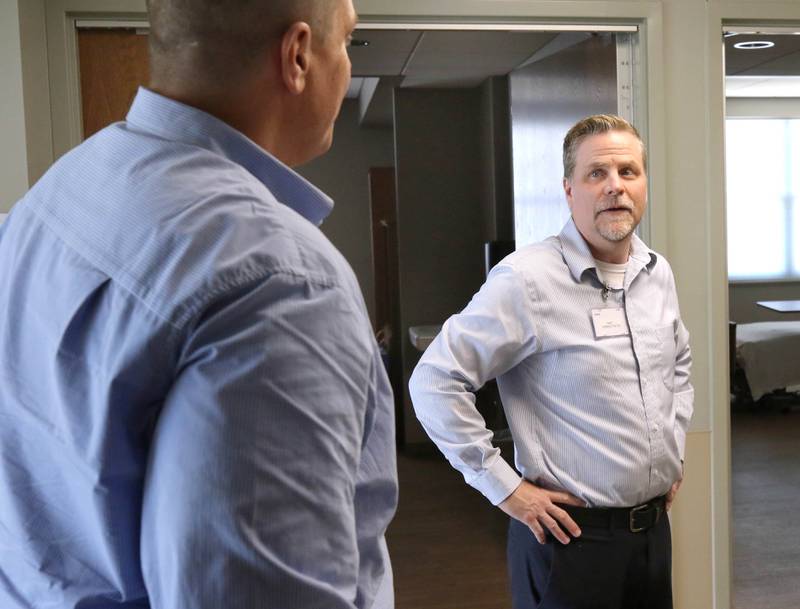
385	59
470	56
772	72
443	58
414	58
783	59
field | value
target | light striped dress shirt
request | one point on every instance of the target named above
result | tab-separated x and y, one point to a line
604	418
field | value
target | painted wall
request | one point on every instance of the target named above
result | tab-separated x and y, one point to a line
495	138
36	88
13	159
743	298
342	174
440	211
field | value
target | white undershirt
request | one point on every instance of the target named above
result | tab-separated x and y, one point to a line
612	275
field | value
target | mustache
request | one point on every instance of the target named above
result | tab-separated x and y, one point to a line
614	204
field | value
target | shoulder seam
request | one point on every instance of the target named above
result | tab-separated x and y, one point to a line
188	311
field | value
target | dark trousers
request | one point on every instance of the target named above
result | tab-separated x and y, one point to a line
607	567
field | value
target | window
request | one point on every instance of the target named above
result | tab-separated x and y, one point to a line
763	193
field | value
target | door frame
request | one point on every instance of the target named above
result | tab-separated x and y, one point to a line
666	227
725	17
62	17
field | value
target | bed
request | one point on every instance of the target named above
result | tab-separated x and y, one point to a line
768	353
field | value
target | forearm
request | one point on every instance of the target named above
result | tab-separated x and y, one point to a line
491	335
446	409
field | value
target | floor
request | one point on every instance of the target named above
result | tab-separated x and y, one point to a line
766	497
447	541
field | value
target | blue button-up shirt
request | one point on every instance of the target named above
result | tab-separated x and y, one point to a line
193	409
602	417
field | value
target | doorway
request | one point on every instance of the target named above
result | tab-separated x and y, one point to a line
442	115
762	132
478	113
462	104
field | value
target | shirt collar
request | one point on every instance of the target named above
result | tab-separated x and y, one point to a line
176	121
579	257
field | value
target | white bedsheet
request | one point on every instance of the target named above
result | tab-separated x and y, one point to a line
769	353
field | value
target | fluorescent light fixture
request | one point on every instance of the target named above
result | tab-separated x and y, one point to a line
754	44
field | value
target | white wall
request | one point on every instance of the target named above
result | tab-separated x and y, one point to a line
13	150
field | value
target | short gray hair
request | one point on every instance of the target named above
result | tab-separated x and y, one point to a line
595	125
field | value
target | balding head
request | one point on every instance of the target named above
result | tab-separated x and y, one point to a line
219	41
275	70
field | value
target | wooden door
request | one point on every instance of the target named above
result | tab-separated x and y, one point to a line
113	63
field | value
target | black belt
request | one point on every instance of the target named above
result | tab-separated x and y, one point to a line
635	519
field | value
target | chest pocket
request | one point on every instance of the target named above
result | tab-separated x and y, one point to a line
665	356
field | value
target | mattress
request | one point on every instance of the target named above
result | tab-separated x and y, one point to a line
769	354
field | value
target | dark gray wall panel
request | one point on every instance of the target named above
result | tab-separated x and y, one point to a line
547	98
440	218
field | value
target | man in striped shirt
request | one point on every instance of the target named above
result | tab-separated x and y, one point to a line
583	334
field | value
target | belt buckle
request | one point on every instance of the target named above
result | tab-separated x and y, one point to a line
632	517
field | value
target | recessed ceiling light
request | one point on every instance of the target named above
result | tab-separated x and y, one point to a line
359	43
754	44
729	34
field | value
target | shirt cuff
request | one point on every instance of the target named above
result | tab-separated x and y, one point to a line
680	439
683	411
498	481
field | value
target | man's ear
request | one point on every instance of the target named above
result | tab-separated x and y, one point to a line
295	57
567	191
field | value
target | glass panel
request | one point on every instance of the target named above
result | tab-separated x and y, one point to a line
793	169
547	98
756	182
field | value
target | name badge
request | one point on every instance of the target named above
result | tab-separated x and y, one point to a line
609	322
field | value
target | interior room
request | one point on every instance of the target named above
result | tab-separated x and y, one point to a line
475	118
449	140
762	69
667	72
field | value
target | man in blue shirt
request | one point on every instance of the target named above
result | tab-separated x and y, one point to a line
193	409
